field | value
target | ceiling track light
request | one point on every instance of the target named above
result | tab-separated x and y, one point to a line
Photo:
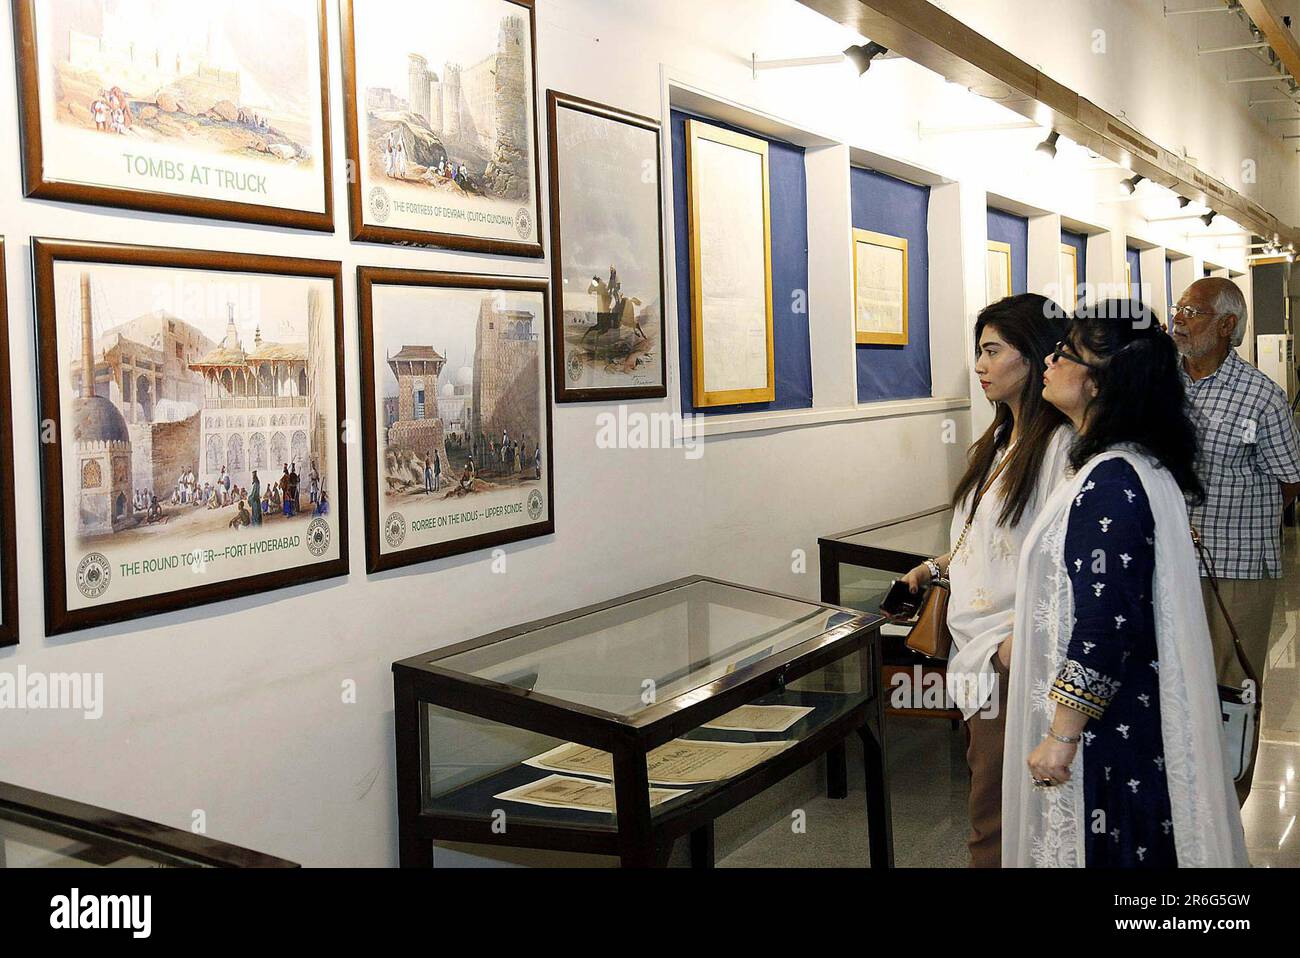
1208	218
862	54
1131	184
1048	146
1183	202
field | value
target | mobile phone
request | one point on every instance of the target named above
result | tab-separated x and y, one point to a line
901	603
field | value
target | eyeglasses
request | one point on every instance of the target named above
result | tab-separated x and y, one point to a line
1189	312
1062	352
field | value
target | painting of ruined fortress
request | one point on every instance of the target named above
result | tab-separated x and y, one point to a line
445	93
460	406
211	419
232	77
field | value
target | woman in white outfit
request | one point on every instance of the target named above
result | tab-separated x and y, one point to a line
1115	749
1021	458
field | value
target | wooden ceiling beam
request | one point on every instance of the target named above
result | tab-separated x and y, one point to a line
938	41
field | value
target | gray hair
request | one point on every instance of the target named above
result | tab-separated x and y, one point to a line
1229	300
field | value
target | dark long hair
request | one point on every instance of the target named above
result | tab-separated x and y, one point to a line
1032	325
1140	396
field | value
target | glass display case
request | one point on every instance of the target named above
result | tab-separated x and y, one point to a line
618	728
857	569
44	831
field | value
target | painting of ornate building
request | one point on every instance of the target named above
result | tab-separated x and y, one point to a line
259	407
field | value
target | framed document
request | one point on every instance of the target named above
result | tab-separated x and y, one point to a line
998	270
456	414
1069	275
218	110
731	267
609	280
440	107
8	546
196	455
879	288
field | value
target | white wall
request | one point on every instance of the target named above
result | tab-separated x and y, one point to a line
235	709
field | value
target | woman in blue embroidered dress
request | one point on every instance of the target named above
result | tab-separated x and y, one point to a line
1113	702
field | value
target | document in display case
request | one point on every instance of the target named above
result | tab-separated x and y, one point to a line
618	728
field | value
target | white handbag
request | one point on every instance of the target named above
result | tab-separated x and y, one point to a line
1239	708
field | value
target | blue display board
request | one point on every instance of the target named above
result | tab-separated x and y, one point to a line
792	349
1079	241
885	204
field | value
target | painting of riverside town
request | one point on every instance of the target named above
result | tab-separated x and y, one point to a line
217	101
198	435
442	121
457	389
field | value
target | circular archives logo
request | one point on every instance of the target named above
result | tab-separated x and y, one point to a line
395	529
93	575
318	537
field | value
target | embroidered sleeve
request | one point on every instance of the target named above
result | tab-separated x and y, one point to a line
1109	556
1083	689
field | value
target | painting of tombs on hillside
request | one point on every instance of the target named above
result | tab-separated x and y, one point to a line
234	77
463	394
200	422
447	95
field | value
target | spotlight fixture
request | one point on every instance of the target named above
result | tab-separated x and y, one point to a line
1183	202
1131	184
1208	218
862	54
1048	146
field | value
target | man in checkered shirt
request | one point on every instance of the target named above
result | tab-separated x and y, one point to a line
1249	464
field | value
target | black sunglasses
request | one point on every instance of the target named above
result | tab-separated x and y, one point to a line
1061	352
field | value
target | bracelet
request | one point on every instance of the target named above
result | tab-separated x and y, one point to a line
1064	739
933	566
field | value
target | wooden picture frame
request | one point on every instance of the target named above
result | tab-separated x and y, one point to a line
8	518
998	270
500	484
370	203
635	336
1070	275
700	137
897	246
281	384
219	187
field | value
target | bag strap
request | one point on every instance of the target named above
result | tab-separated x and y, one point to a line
1207	563
970	519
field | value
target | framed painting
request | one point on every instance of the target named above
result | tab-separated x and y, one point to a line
440	105
174	107
1069	276
196	399
8	535
731	266
608	278
879	288
456	413
997	270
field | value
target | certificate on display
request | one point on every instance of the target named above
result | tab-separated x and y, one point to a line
731	267
679	762
879	288
1069	275
760	718
561	791
998	270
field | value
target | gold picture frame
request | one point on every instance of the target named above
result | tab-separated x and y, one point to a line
723	220
895	248
997	271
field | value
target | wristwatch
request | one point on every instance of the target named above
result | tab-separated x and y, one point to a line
935	572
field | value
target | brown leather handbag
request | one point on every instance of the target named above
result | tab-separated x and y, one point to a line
930	635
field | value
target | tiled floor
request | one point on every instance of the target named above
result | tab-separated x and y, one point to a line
929	780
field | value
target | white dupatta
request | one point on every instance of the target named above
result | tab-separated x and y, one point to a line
1046	827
